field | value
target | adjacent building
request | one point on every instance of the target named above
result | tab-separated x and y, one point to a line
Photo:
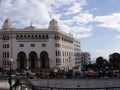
36	48
86	58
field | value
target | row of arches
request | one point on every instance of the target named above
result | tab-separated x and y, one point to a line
33	62
20	36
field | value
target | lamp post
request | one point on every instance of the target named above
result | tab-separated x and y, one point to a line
10	78
27	73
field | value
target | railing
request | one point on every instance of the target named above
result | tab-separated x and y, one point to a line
27	87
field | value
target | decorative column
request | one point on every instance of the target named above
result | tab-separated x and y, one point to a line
27	63
36	63
39	63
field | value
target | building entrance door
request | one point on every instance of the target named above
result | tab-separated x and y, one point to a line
22	62
33	59
44	60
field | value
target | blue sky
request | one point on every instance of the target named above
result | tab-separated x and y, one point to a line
105	37
95	22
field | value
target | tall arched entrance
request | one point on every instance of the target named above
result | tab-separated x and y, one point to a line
32	60
44	60
21	61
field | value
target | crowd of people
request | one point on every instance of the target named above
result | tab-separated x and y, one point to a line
62	74
69	74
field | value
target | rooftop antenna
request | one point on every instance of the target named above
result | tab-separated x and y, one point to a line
31	24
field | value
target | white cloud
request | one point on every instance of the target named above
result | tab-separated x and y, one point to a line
82	35
83	18
75	8
117	37
24	12
77	31
58	3
69	13
109	21
84	29
39	12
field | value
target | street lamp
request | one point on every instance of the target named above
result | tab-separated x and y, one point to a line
10	78
27	73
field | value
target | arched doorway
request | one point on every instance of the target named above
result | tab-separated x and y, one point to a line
44	60
33	59
21	62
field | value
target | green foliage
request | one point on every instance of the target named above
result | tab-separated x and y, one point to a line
90	66
101	63
115	60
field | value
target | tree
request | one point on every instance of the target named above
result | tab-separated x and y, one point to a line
115	60
101	63
90	66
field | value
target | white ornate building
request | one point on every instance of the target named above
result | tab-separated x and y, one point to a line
36	48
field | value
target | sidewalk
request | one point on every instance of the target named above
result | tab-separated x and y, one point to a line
4	85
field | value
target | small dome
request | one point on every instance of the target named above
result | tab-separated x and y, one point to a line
8	24
53	25
53	21
30	28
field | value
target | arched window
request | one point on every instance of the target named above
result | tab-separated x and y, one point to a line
39	36
46	36
21	36
43	37
28	36
32	36
36	36
7	54
17	36
25	36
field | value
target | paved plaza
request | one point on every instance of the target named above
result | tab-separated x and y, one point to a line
4	84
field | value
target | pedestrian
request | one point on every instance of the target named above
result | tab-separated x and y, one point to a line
17	83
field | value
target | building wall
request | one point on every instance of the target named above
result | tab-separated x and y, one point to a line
77	53
58	44
86	58
1	63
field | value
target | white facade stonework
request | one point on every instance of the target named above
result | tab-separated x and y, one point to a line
36	48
